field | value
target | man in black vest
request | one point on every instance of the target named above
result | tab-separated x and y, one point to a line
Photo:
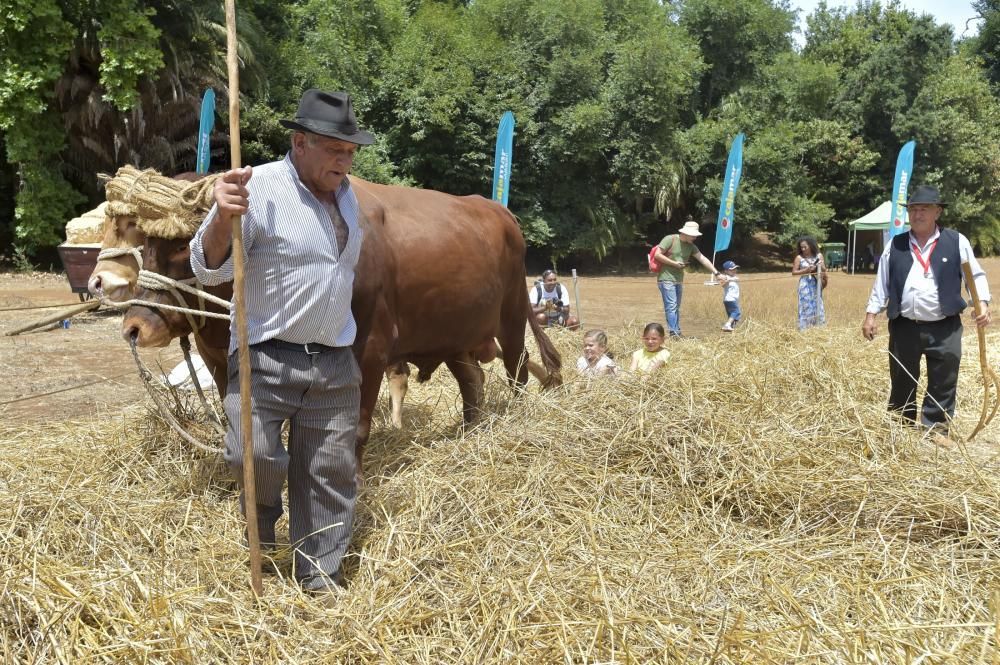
919	282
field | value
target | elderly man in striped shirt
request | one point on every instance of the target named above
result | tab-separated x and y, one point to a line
302	241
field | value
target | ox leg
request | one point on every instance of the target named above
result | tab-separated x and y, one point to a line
398	376
470	377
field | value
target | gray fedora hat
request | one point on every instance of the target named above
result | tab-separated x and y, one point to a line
328	114
925	195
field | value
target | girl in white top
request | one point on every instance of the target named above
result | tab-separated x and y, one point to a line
595	360
652	356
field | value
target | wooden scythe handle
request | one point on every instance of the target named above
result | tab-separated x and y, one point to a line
988	377
246	423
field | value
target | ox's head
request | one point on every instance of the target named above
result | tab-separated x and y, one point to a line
167	253
148	324
114	278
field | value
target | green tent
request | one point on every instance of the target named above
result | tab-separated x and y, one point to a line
877	220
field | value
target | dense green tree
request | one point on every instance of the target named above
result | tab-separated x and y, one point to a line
986	44
956	122
802	167
885	55
625	108
94	85
736	38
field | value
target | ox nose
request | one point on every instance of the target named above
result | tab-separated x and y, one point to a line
106	284
130	333
95	286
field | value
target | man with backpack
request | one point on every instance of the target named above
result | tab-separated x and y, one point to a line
550	302
671	256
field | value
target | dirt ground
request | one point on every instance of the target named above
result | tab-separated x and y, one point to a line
54	373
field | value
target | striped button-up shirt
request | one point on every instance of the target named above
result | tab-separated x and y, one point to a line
298	281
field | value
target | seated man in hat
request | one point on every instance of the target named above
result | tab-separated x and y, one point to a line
672	255
302	240
919	282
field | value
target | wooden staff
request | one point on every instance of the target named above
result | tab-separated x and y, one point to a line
990	378
239	300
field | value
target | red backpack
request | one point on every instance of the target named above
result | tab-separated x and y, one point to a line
653	265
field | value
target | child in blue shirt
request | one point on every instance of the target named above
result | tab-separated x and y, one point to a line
731	294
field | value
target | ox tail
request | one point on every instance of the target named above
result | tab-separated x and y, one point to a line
547	350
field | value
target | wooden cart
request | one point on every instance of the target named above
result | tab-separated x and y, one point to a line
79	262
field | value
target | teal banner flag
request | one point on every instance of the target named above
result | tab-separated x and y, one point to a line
900	187
730	183
205	130
503	160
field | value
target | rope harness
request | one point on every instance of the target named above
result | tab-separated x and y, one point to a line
147	380
154	281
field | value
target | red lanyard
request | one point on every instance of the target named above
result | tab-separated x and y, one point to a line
925	264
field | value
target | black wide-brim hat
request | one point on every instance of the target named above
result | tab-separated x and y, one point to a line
328	114
925	195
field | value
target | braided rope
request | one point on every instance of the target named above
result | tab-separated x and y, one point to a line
115	252
157	282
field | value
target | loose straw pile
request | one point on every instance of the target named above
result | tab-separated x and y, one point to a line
752	503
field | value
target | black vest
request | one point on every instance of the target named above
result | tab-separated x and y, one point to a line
947	273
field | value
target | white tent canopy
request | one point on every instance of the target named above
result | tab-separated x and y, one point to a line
879	219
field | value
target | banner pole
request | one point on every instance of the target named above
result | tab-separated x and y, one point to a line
819	288
246	423
711	280
576	296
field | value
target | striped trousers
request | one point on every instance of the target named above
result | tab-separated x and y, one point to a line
320	396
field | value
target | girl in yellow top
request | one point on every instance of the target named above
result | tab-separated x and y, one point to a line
652	356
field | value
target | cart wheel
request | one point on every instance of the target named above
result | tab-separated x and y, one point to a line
81	296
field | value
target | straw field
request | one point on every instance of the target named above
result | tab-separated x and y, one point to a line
752	503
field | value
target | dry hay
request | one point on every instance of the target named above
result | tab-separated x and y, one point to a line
88	228
752	503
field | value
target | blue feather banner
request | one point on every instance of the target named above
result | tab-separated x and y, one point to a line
900	187
730	183
205	130
503	159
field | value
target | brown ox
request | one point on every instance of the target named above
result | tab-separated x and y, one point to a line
114	278
439	278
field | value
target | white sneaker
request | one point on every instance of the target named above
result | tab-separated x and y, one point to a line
727	328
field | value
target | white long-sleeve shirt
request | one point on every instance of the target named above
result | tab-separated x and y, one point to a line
298	281
920	293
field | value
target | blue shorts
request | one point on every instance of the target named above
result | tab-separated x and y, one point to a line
732	309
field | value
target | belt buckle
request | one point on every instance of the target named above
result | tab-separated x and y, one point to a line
308	352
